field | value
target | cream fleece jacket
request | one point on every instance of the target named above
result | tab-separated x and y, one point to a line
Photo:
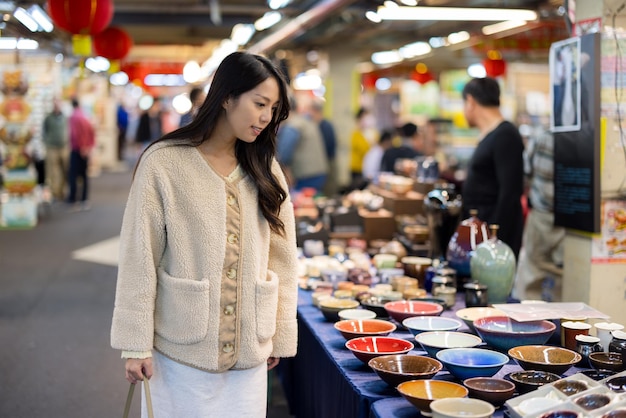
176	258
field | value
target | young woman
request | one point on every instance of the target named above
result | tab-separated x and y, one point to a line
207	288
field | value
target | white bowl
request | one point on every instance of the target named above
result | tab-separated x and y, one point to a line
357	314
469	315
434	341
461	408
418	324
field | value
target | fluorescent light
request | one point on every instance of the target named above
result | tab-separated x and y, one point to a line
242	33
41	17
277	4
97	64
7	6
458	37
454	13
386	57
25	19
415	50
373	16
8	43
27	44
170	80
502	26
268	20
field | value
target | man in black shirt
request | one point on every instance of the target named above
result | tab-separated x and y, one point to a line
495	174
411	147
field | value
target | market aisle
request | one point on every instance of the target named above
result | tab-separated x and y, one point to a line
57	284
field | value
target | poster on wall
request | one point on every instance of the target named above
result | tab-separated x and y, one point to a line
565	63
577	152
610	245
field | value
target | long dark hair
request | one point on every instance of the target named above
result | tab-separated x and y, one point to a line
238	73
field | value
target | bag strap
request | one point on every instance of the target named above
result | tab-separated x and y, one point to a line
129	399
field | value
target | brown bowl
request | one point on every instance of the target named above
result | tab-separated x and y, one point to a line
606	361
396	369
354	328
555	360
493	390
420	393
571	387
618	413
593	401
530	380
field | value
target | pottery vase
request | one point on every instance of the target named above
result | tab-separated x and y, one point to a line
468	235
493	264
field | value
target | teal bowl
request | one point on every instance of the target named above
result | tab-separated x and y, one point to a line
504	333
465	363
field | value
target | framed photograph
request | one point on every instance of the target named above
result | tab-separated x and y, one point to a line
565	82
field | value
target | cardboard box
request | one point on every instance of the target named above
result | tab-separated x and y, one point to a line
377	225
410	203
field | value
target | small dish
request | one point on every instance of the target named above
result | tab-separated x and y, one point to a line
598	374
330	307
561	413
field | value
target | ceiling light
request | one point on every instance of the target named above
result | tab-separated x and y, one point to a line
386	57
454	13
415	49
25	19
383	84
309	80
409	2
373	16
7	6
27	44
191	72
458	37
277	4
242	33
41	17
502	26
169	80
268	20
477	71
119	79
390	4
438	41
8	43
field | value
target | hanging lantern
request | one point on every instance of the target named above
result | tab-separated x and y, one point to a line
112	43
81	17
369	80
421	74
494	64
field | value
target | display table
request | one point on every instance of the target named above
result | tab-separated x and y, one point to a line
326	380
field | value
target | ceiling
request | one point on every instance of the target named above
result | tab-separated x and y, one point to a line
180	30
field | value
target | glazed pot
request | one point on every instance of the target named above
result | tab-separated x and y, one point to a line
493	264
468	235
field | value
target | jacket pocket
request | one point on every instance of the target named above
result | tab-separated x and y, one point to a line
266	306
182	309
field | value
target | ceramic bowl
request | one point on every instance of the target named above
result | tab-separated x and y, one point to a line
419	324
465	363
597	374
469	315
504	333
356	314
618	413
395	369
355	328
533	405
375	304
561	413
606	361
555	360
530	380
420	393
593	401
617	384
403	309
571	387
490	389
434	341
366	348
330	307
461	408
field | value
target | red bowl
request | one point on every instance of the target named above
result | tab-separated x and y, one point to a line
355	328
403	309
367	348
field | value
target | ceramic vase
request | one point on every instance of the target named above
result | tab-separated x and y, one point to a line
493	264
468	235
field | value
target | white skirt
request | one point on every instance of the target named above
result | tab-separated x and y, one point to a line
180	391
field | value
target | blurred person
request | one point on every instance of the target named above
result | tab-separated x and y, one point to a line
82	141
196	97
150	124
359	145
207	282
412	146
301	151
329	136
495	175
122	128
542	241
373	158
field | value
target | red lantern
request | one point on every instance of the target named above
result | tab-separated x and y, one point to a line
494	67
81	17
421	74
369	80
112	43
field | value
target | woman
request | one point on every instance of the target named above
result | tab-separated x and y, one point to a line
207	289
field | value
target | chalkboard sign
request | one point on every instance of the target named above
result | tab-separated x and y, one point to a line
577	135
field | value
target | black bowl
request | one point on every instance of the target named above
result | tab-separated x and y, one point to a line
377	305
593	401
617	384
571	387
529	380
560	414
597	374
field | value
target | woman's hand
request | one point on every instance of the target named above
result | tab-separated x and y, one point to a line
272	362
137	368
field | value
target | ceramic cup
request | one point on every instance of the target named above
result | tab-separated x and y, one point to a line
569	331
603	331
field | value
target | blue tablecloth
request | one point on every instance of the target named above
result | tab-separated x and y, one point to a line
326	380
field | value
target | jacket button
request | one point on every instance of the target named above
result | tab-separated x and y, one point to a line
231	200
227	348
231	273
229	310
232	239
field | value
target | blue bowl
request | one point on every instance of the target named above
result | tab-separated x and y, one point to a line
465	363
504	333
418	324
